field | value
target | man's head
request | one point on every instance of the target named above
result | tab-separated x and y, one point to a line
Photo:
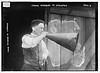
37	26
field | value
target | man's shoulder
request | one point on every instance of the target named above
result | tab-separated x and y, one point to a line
26	35
29	35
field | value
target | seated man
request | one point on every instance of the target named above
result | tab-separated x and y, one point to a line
35	50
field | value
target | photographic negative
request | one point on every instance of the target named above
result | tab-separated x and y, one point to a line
49	36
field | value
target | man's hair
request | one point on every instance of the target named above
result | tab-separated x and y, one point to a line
36	22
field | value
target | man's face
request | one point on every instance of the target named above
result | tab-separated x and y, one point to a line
39	28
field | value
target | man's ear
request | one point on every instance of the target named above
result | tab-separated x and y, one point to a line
33	28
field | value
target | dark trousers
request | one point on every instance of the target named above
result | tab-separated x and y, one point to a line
28	67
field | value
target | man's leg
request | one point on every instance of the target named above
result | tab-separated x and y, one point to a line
27	67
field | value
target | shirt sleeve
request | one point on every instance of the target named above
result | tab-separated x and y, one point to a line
27	41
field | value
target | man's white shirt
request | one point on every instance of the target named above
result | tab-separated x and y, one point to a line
28	38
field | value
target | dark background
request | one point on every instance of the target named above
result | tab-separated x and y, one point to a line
19	17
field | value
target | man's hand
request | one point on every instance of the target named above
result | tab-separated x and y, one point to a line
44	33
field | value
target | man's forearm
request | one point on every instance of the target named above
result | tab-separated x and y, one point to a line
38	39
